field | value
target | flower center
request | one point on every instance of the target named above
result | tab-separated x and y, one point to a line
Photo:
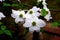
31	12
21	15
34	23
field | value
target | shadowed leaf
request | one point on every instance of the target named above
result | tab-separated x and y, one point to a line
8	32
1	32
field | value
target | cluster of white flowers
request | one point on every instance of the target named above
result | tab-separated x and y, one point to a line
2	15
30	18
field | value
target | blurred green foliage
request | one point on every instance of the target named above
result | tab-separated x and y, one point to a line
8	32
6	4
3	27
0	23
4	31
54	24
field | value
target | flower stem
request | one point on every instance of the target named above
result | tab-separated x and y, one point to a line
35	35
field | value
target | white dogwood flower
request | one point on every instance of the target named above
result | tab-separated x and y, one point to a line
18	15
2	15
34	24
33	11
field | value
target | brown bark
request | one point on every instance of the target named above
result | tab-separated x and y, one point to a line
22	31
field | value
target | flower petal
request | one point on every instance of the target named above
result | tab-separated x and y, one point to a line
17	20
41	23
2	15
15	13
32	29
37	14
27	24
48	17
45	7
35	9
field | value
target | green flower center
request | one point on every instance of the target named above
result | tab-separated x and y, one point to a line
21	15
31	12
34	23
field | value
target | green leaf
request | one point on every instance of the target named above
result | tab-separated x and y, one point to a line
8	32
14	5
3	27
6	4
43	12
54	24
1	23
1	32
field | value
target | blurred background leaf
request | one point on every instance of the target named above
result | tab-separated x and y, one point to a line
3	27
13	5
8	32
54	24
1	23
1	32
6	4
